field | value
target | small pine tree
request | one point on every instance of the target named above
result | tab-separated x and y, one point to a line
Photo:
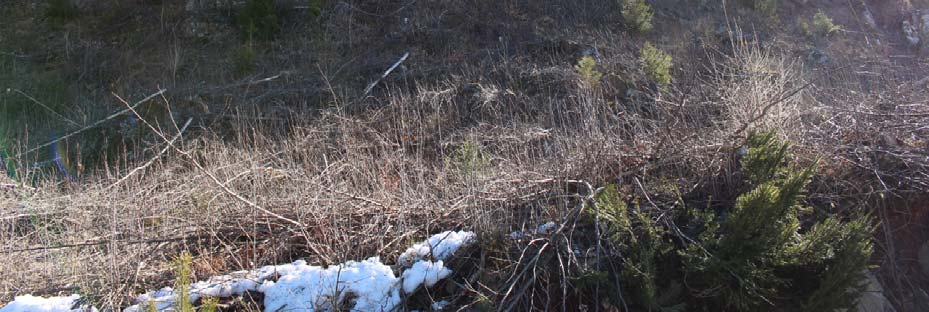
468	160
741	259
643	243
61	11
210	304
182	282
841	252
638	15
750	257
586	67
315	8
259	20
765	7
822	26
656	64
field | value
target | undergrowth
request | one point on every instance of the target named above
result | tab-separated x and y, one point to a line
638	15
752	256
820	26
587	68
656	64
259	20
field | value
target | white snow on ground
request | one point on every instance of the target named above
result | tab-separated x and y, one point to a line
547	228
163	299
543	229
361	286
371	285
440	246
29	303
440	305
424	271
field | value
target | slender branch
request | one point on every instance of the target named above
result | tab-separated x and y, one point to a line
91	126
212	177
151	161
45	107
389	70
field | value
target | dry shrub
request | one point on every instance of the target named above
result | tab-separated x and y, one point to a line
761	90
363	185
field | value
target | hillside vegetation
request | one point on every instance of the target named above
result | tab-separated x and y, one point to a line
599	155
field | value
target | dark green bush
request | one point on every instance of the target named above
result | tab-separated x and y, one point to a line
245	58
753	256
61	11
656	64
638	15
765	7
315	7
587	68
259	20
820	26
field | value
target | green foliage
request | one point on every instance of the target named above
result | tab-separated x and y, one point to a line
210	304
766	158
741	260
822	26
315	7
259	20
641	263
182	282
643	244
151	306
244	61
843	250
656	64
765	7
750	257
61	11
638	15
586	67
594	282
614	212
468	159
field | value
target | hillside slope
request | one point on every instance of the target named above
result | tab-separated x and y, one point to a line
254	133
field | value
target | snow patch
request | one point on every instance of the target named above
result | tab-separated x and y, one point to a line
440	305
368	285
439	246
424	272
546	228
29	303
163	299
543	229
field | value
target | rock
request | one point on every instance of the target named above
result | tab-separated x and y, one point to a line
872	299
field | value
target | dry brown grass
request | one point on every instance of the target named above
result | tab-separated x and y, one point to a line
363	186
369	175
762	90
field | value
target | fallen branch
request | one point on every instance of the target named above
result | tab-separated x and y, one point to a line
389	70
101	242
